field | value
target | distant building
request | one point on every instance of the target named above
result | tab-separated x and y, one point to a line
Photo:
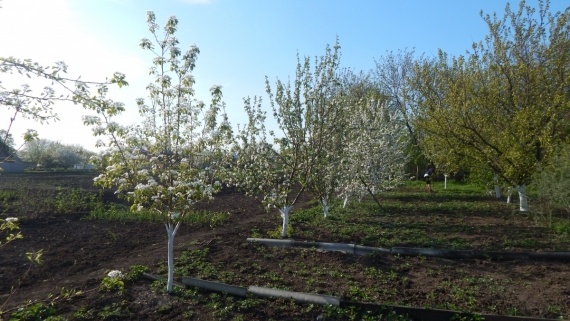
11	164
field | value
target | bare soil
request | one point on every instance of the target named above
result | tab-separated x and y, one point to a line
77	254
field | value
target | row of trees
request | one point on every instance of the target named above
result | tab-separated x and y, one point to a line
500	111
44	153
503	109
338	136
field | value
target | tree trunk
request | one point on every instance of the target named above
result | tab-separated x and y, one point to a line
497	191
523	199
509	194
171	229
497	187
285	215
326	206
346	199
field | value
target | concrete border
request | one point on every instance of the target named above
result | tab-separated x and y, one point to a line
416	251
416	313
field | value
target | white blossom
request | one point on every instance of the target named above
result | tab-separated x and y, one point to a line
141	186
115	274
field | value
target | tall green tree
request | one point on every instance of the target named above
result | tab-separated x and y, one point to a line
505	105
172	159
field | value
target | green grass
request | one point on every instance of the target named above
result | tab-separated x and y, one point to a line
122	213
460	217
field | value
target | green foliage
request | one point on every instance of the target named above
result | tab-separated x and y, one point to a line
84	314
34	312
118	212
440	220
122	213
500	108
7	198
562	228
114	311
9	231
135	272
552	184
74	200
109	284
277	233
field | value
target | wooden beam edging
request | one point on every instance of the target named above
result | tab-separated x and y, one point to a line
436	314
416	251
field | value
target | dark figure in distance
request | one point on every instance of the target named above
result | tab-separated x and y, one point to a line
427	177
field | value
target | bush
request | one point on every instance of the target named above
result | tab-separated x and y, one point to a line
551	186
37	311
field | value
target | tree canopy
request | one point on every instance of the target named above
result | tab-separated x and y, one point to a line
505	105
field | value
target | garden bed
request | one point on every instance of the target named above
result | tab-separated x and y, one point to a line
78	252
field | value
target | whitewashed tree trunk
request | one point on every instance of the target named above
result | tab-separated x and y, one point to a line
497	191
346	199
285	215
509	194
171	232
326	206
445	181
497	187
523	199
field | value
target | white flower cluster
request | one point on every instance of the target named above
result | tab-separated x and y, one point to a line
11	219
115	274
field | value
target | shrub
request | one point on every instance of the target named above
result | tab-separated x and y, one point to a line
551	185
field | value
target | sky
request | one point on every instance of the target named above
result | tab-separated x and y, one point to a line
241	42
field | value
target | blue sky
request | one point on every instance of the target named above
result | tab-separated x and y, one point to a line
241	41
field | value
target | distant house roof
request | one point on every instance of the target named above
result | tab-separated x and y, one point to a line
10	163
12	166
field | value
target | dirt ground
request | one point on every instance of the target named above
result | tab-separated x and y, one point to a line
77	254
